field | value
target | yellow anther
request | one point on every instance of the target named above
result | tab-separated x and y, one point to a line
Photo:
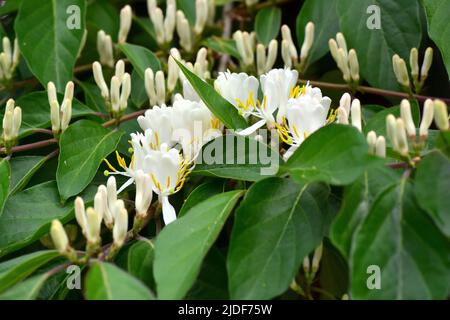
106	173
168	182
109	165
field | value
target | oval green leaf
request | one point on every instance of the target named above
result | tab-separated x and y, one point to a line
267	24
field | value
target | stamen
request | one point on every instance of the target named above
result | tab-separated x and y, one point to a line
109	165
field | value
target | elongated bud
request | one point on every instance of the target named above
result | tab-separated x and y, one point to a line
105	48
343	63
285	54
160	87
334	50
316	258
66	114
271	54
341	42
402	141
308	42
172	74
372	142
126	15
405	112
170	21
414	63
54	116
150	86
345	102
100	80
7	50
59	237
120	70
239	39
260	58
427	118
120	227
356	114
441	115
111	186
380	149
126	91
184	31
144	193
80	214
306	264
342	116
201	63
286	35
157	18
391	129
400	70
93	225
51	93
68	93
101	204
17	121
201	10
427	61
115	94
7	125
354	65
16	53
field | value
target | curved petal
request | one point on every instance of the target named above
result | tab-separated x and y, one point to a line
168	211
125	185
252	128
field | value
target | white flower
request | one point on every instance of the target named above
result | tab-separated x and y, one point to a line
159	121
277	86
304	115
239	89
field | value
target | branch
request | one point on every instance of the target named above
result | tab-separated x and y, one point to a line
31	146
125	118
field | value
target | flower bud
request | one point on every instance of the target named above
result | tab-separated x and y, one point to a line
286	35
120	70
100	201
66	114
405	112
201	10
115	94
158	24
271	54
427	118
414	63
345	102
150	86
184	31
285	54
17	121
99	80
59	237
7	50
380	149
372	142
160	87
104	203
7	125
126	15
316	258
332	44
120	227
343	64
80	214
105	48
54	116
308	42
94	221
170	21
354	65
144	193
68	93
356	114
342	43
260	58
441	115
126	91
391	130
16	53
51	93
427	61
400	70
342	116
402	142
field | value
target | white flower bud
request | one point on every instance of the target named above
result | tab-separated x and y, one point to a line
316	258
391	130
356	114
372	142
343	64
66	114
120	70
405	112
354	65
402	142
80	214
172	74
427	118
308	42
93	225
68	93
441	115
7	125
342	43
400	70
380	149
100	80
342	115
160	84
16	53
201	10
120	227
150	86
285	54
59	237
126	91
170	21
144	193
158	24
345	102
271	54
54	116
201	63
115	94
286	35
414	63
151	5
261	59
126	16
105	48
306	264
17	121
101	201
184	31
7	50
111	187
51	93
332	44
427	61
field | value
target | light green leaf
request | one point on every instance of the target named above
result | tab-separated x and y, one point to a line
105	281
27	215
15	270
221	45
83	145
277	224
202	193
26	290
323	13
337	154
404	243
218	105
5	177
141	58
237	157
400	30
182	245
432	187
438	26
267	24
49	39
23	169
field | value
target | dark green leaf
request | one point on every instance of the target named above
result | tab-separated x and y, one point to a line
188	8
226	46
140	261
22	169
267	24
26	290
141	58
5	177
201	193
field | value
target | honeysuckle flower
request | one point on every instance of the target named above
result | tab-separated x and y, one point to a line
405	112
265	63
427	119
380	148
164	26
346	61
201	15
105	49
305	113
12	121
155	87
427	61
120	227
126	16
60	117
184	31
400	71
349	109
245	44
441	115
239	89
9	59
372	141
144	193
289	53
159	121
59	237
89	220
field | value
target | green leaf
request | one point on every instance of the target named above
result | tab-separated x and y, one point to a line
140	261
237	157
141	58
47	39
23	169
188	8
26	290
432	186
277	224
5	177
138	93
202	193
83	145
10	6
36	111
15	270
218	105
400	30
336	154
323	13
182	245
221	45
443	142
267	24
102	15
105	281
356	203
400	239
438	27
92	96
27	215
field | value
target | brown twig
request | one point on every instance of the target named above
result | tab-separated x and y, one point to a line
127	117
31	146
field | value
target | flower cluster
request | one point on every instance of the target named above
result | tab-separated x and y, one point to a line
60	116
9	59
12	121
